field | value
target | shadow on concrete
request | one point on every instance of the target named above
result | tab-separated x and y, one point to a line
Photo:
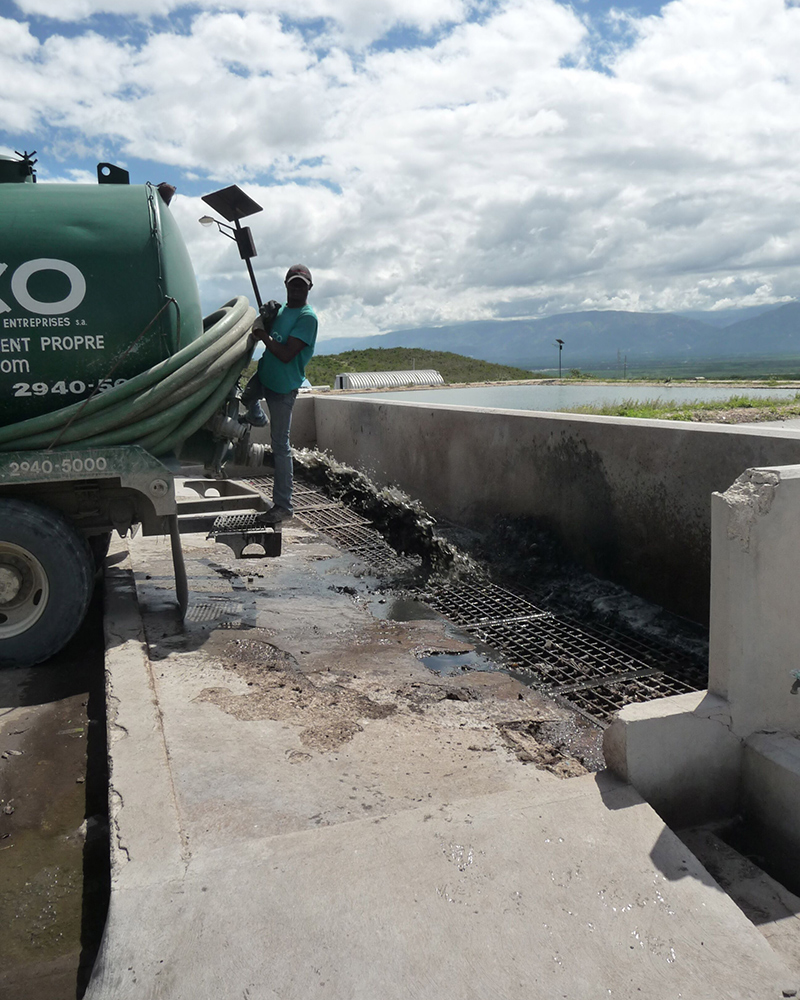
675	861
96	846
672	858
164	629
616	794
739	861
63	675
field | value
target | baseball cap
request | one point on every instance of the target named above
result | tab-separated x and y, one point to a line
299	271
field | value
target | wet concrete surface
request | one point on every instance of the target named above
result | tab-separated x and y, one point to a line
305	809
325	657
54	868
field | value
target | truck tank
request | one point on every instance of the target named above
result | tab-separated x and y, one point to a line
96	286
110	377
102	340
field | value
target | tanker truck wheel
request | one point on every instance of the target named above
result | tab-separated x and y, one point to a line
46	582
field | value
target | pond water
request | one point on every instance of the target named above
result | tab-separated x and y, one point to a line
565	397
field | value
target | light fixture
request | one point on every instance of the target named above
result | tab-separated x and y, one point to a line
233	204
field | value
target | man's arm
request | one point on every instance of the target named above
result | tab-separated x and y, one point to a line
284	352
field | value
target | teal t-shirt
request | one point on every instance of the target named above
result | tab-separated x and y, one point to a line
281	376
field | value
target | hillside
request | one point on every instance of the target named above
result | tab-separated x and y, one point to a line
322	369
595	339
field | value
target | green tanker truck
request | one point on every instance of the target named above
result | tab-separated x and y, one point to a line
110	378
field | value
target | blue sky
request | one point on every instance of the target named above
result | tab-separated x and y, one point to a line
439	162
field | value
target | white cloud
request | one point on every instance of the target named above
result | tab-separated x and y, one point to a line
358	22
432	182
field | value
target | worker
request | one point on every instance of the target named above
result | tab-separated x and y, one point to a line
288	347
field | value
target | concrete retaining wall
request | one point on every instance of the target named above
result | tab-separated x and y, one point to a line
629	499
304	429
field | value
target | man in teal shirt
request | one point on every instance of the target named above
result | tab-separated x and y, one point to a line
289	346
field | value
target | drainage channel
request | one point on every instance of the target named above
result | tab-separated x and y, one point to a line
596	670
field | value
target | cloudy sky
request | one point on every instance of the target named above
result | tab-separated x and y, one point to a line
436	161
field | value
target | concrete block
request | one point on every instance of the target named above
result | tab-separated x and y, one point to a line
680	755
771	787
755	600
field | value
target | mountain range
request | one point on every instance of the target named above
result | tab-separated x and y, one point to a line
596	338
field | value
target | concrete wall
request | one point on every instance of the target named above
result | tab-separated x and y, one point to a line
630	499
699	757
304	428
755	600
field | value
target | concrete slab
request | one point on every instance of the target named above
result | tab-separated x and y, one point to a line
510	895
768	904
303	809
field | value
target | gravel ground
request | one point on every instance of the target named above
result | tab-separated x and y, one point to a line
745	415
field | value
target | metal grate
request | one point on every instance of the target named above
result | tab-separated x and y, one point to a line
470	604
213	611
262	483
344	527
323	518
228	523
595	669
370	546
300	491
561	652
599	702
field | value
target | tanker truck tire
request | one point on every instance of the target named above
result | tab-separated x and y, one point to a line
46	582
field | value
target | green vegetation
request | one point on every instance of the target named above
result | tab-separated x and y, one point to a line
323	368
745	407
724	369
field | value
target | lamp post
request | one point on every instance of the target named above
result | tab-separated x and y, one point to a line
233	204
560	349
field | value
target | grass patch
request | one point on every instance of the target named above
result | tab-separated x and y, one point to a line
763	408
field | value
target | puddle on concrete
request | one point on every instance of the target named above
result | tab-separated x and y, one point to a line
400	608
450	664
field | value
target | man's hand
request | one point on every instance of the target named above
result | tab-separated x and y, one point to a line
265	319
268	312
